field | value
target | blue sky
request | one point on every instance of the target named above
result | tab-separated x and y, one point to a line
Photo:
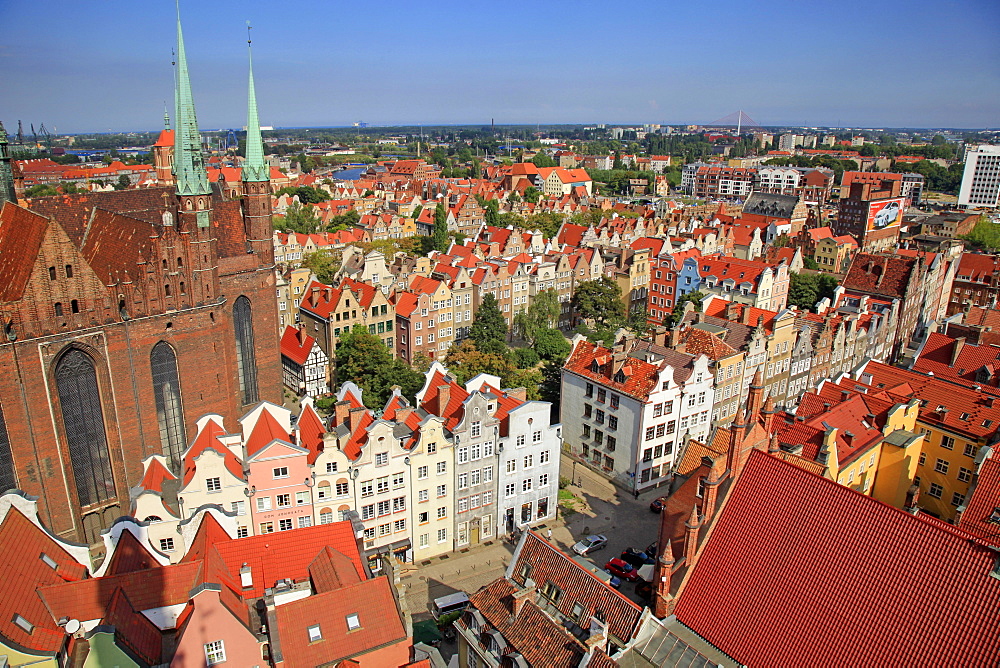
105	64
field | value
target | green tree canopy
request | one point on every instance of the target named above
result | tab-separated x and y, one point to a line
489	329
543	160
307	194
343	221
322	265
491	210
439	237
542	314
804	290
677	313
547	222
551	345
465	361
298	218
531	194
363	358
600	301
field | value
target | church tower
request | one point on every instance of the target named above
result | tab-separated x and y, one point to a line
194	194
163	153
6	173
256	183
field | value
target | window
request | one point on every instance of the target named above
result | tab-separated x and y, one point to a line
463	480
551	592
398	480
239	507
602	395
599	417
588	391
285	524
263	503
422	495
432	448
213	485
476	452
935	490
442	490
331	467
964	474
83	419
615	400
382	484
305	521
266	527
528	461
463	454
301	498
167	397
399	525
543	480
649	433
442	468
970	450
421	472
367	488
612	423
442	512
383	508
166	545
610	443
941	466
280	472
422	517
477	429
314	633
368	512
442	535
957	499
947	442
526	485
242	532
353	622
509	490
381	458
342	489
520	439
283	500
215	652
463	505
246	361
487	474
423	541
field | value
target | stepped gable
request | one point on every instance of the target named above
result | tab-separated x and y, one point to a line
208	439
778	518
21	235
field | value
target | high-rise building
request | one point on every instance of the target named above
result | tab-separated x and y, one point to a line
981	178
127	315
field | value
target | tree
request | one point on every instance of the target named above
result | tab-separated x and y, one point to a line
298	218
306	194
543	160
547	222
322	265
550	388
551	345
492	212
122	183
809	263
677	313
439	237
804	290
363	358
525	358
531	194
489	328
542	314
41	190
343	221
465	361
600	301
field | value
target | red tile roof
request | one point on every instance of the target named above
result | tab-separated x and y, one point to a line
882	275
371	600
208	439
843	579
936	358
21	236
129	555
265	430
977	267
134	629
156	474
296	344
310	430
982	508
640	376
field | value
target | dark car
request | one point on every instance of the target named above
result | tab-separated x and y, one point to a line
622	569
636	558
644	590
651	551
658	504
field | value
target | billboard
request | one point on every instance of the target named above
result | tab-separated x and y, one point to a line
885	213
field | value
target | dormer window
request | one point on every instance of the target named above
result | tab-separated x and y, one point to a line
620	376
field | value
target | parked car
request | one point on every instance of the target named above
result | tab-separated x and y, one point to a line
622	569
644	590
636	558
652	550
658	504
591	544
614	582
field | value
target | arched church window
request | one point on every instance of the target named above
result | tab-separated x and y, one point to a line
246	359
83	420
167	397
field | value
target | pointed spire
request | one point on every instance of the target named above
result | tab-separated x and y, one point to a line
254	167
189	164
166	117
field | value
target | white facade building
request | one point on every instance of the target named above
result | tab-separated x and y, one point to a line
981	178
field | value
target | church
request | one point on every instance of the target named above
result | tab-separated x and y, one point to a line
126	316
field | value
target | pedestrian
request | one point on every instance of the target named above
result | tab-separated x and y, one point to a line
548	534
636	493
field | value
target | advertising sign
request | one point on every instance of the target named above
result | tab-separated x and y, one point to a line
885	213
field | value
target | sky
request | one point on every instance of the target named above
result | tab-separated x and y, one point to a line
105	65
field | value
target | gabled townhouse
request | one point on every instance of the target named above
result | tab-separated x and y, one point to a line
305	368
327	312
647	398
756	284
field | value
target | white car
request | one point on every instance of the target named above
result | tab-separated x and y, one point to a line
887	216
590	544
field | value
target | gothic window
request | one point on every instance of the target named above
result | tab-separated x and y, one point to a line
7	478
59	309
167	396
74	306
83	419
246	361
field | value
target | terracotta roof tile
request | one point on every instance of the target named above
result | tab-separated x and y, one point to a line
21	236
296	344
779	518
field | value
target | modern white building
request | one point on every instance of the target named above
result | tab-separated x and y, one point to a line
981	178
627	411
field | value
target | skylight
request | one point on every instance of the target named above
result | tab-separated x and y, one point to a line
352	622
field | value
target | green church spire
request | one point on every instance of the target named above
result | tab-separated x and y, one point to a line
254	167
189	164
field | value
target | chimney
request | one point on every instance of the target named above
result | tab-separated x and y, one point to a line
340	412
314	296
691	537
327	292
354	417
745	315
731	313
403	413
519	393
522	596
956	349
246	577
444	397
774	446
598	638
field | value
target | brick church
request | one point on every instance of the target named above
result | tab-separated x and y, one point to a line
126	316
